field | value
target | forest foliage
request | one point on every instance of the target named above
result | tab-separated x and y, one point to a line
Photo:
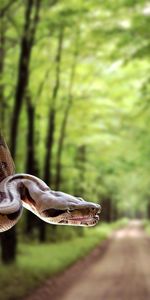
74	93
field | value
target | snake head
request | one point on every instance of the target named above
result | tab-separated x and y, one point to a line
64	209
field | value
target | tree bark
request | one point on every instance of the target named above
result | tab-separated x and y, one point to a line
80	190
8	243
106	214
52	113
65	121
30	162
51	122
2	58
9	239
32	168
30	159
23	68
148	210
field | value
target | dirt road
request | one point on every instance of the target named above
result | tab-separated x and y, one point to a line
121	273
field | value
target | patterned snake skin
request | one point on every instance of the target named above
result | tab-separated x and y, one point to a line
24	190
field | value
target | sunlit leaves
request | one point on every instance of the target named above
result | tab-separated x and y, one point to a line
111	104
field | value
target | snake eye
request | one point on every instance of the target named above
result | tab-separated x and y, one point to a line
81	199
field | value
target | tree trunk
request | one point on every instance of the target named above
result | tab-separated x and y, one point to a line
148	210
49	145
2	58
114	212
61	144
23	68
32	168
79	186
30	161
52	113
9	243
64	121
8	239
106	214
51	123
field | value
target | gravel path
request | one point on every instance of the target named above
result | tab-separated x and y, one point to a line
117	270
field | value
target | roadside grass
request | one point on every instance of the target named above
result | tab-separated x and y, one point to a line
119	223
146	225
37	262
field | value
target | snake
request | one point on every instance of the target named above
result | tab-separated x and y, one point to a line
28	191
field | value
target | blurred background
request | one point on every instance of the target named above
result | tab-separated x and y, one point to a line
74	110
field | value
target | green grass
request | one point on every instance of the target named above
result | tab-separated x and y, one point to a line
146	225
119	223
35	262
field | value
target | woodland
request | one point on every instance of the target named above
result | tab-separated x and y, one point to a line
75	105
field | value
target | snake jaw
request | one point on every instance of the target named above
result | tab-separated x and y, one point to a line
58	207
76	213
25	190
85	217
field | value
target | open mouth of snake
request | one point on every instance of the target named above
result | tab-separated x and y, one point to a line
85	220
84	217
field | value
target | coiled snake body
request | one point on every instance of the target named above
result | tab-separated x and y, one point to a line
24	190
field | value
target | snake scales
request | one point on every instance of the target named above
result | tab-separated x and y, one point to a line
24	190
